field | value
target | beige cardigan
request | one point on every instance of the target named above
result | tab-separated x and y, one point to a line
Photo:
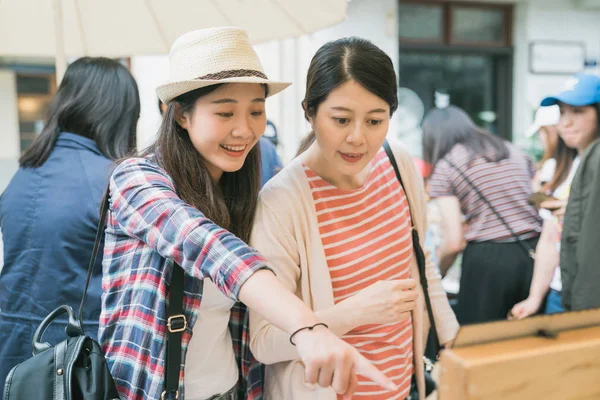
287	234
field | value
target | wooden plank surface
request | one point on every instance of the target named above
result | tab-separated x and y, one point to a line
560	368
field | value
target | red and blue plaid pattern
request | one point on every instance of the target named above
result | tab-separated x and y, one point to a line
149	229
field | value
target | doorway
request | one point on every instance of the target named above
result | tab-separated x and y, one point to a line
462	49
476	81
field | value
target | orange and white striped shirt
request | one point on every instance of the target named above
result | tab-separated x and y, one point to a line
366	234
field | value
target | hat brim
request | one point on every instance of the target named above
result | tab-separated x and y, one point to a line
169	91
549	101
571	100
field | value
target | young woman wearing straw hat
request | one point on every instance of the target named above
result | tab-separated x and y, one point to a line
187	204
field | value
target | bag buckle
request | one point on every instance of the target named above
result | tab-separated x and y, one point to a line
177	323
428	364
162	396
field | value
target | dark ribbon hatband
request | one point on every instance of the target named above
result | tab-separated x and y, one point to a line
233	73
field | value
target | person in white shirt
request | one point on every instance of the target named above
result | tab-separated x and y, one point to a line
545	121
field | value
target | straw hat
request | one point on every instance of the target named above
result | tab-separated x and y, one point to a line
212	56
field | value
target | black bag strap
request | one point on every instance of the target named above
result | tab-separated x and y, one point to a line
99	234
418	251
176	322
176	325
530	251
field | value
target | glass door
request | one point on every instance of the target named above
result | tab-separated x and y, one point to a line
471	81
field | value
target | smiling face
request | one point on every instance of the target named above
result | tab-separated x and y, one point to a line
225	124
578	126
350	127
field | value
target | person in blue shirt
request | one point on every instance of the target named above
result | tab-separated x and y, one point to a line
270	163
49	211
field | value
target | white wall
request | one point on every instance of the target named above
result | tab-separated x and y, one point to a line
286	60
10	145
149	72
375	20
559	20
521	108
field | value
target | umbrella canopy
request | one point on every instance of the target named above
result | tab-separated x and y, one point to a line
122	28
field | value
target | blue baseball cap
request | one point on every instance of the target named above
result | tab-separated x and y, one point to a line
580	90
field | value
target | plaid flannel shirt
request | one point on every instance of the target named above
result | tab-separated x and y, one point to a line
149	229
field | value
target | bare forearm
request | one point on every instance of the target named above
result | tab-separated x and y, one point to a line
452	227
340	318
272	345
546	261
446	258
264	294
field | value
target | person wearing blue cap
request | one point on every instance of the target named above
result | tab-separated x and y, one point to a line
557	171
580	244
578	108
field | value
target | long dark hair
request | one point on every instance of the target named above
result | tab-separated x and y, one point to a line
550	148
444	128
596	107
97	99
564	157
340	61
230	203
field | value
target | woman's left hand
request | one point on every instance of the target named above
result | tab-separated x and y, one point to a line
558	207
525	308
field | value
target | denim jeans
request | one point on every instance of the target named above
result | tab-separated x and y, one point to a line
553	302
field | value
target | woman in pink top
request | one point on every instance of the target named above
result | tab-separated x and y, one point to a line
336	226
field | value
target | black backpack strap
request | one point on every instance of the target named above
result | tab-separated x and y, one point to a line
176	325
420	255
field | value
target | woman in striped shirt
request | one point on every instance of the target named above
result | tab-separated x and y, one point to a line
336	226
478	175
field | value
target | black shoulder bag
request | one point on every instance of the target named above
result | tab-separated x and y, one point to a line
430	385
528	249
76	367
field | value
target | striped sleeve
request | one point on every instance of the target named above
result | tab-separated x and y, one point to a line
146	206
439	183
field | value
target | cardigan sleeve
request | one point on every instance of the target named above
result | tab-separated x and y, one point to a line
145	205
268	343
445	320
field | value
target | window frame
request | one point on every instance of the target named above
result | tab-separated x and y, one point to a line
29	136
447	7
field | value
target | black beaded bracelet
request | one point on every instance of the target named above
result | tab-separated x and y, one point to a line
310	328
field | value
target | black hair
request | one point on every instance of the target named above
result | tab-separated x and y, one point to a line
340	61
98	99
444	128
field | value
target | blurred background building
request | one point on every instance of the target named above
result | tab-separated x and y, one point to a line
496	59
